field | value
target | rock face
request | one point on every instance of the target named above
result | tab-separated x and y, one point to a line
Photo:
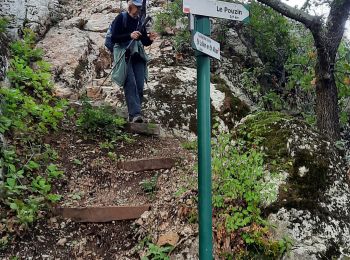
313	202
35	14
81	59
170	96
3	55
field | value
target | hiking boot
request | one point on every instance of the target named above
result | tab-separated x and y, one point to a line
136	119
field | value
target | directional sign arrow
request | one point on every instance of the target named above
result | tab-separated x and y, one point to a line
220	9
206	45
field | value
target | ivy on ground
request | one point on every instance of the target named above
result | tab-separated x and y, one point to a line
240	230
28	112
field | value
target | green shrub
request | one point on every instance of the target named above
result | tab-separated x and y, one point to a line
28	112
155	252
168	19
3	24
237	197
100	122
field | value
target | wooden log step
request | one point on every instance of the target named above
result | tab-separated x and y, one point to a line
147	164
143	128
102	214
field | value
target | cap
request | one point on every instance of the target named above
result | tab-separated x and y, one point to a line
137	2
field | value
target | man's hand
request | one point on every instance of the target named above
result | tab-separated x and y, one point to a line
152	36
135	35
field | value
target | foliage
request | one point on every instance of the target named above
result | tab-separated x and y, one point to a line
155	252
182	40
270	32
149	185
25	50
100	122
237	197
342	76
3	24
28	106
189	145
168	19
27	186
288	52
28	111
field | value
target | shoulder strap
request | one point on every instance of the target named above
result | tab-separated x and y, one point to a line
125	17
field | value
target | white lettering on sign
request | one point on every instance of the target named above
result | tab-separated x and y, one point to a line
206	45
220	9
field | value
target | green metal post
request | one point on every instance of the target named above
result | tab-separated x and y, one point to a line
202	25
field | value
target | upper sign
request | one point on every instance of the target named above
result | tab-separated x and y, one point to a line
206	45
220	9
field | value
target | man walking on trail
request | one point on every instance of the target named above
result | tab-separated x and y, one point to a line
124	33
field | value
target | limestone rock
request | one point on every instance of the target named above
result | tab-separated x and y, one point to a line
169	238
99	22
35	14
94	92
71	64
313	202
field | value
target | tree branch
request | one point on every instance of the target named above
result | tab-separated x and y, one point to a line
335	25
308	20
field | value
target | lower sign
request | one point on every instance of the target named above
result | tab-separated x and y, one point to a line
206	45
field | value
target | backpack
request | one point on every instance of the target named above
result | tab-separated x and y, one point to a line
108	38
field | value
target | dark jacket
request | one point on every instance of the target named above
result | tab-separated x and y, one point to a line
121	35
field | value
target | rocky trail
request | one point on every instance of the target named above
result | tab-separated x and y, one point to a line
125	187
114	190
120	198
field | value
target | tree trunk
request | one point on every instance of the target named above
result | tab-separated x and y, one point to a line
327	109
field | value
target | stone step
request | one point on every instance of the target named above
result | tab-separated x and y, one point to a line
143	128
102	214
147	164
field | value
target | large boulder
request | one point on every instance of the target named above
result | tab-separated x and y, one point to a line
312	205
80	60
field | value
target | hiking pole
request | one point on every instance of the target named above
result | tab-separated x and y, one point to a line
148	18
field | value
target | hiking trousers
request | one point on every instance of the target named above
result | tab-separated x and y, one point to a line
133	87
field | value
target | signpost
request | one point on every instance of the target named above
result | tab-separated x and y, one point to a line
202	25
219	9
206	47
204	44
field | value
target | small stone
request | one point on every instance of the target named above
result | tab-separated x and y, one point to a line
139	222
145	215
62	241
52	220
163	226
170	238
163	214
187	231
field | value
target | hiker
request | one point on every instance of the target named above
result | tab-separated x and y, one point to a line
135	57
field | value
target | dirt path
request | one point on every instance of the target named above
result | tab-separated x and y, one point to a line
92	178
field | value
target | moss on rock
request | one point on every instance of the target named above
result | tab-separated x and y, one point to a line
233	109
292	146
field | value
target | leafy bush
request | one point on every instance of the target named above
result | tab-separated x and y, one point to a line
270	32
100	122
28	111
3	24
155	252
237	197
168	19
